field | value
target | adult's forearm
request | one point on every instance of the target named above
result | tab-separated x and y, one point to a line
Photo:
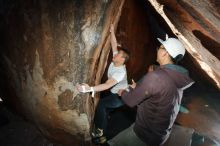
134	96
127	99
113	42
101	87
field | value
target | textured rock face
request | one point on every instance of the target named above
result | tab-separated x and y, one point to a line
49	46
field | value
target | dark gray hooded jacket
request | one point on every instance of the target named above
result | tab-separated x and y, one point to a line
157	97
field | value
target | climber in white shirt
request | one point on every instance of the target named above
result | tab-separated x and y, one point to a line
117	79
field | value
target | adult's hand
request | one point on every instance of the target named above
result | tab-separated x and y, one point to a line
83	88
151	68
134	84
120	91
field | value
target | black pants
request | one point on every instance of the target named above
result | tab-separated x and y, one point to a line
106	105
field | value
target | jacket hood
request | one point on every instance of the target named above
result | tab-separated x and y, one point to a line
179	75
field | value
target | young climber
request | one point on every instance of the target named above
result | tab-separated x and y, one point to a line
117	79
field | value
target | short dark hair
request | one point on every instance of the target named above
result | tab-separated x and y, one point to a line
126	53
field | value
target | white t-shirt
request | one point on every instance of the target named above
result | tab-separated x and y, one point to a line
118	73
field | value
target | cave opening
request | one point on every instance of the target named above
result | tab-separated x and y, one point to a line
134	31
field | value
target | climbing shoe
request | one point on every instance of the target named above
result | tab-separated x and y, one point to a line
97	133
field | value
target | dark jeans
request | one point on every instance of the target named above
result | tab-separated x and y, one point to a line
106	105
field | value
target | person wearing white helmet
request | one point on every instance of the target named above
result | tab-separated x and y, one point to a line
157	98
174	47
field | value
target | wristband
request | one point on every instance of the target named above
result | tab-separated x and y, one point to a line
93	91
90	90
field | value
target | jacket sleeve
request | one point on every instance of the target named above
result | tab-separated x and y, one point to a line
144	90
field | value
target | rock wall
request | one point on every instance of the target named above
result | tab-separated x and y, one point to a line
46	48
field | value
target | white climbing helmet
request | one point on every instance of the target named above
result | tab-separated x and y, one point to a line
173	46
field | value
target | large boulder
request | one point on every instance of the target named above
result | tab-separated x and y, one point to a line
47	47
